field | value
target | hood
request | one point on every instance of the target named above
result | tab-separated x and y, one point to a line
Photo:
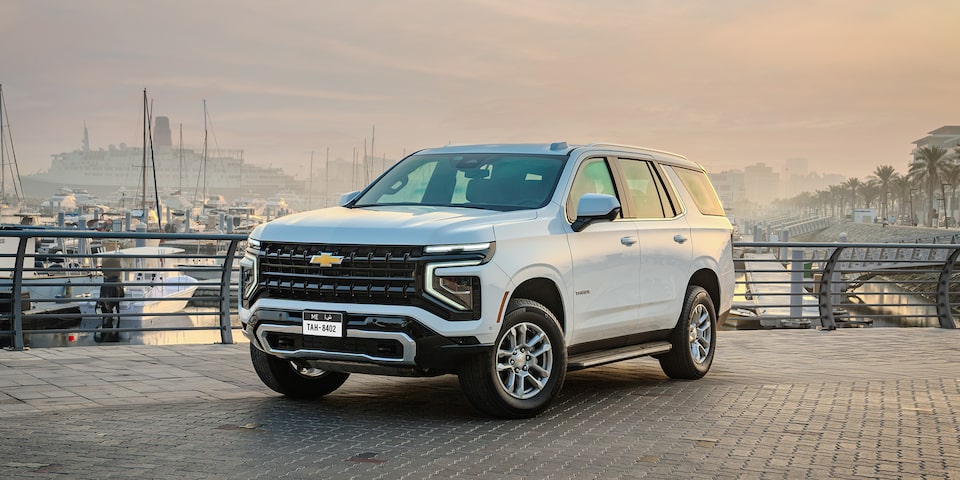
389	225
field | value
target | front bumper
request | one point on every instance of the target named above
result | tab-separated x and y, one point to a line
384	344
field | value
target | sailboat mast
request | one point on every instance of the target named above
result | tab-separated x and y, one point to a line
153	168
180	174
310	186
203	199
12	162
3	162
326	174
143	163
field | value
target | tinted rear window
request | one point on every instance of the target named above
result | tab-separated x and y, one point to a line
700	188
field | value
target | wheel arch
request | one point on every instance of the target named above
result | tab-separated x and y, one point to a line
543	291
708	279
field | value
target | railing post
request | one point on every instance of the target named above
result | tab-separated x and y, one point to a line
17	294
796	284
226	331
827	322
943	291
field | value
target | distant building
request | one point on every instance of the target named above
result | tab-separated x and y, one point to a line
947	136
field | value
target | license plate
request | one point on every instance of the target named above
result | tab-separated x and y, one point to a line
323	324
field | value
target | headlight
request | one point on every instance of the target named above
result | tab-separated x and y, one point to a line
454	249
456	291
248	271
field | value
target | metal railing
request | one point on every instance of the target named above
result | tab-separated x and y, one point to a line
825	285
59	282
102	285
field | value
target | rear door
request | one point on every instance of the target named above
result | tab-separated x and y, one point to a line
664	243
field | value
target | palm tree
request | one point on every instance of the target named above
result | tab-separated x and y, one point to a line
836	197
927	165
901	189
853	184
951	176
870	191
884	174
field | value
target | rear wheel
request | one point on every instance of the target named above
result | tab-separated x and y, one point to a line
293	378
524	371
694	339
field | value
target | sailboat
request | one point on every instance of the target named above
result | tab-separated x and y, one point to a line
143	288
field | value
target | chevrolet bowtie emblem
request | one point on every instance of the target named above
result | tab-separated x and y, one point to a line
326	259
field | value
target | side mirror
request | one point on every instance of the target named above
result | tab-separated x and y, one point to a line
594	207
347	198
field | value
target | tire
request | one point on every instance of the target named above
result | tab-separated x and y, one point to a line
524	371
694	339
293	380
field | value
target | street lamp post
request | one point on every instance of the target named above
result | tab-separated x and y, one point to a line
946	214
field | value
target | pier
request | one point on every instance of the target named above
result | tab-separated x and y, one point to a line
879	403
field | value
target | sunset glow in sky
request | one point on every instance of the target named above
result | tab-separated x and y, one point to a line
847	85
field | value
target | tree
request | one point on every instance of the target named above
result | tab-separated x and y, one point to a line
927	166
853	185
900	186
870	191
951	176
884	174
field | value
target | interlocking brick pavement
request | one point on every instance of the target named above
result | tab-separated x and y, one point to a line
853	403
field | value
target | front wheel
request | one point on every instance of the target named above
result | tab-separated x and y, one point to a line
524	371
694	339
292	378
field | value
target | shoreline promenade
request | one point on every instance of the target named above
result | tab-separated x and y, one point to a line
852	403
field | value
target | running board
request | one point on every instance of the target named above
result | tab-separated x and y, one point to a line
603	357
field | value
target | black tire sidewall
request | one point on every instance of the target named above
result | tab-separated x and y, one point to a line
280	376
531	312
679	362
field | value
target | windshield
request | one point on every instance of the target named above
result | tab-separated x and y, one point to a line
475	180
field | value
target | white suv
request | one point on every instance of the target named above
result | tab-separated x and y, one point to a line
507	265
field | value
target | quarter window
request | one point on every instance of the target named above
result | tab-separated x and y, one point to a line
701	190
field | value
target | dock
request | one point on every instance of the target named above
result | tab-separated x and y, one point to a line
776	404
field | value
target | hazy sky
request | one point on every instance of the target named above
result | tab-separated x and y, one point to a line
846	84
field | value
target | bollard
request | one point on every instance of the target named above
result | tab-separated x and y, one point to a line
784	237
141	227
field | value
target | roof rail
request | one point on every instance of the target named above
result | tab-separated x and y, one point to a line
634	147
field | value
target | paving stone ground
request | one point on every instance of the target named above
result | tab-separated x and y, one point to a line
852	403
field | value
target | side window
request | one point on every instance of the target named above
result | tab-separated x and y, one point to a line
645	190
700	188
593	177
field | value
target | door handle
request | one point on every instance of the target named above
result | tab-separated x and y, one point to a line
679	238
628	241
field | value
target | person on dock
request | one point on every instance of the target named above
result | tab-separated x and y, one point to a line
109	305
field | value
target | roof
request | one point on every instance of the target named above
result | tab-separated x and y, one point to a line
560	148
947	130
557	148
